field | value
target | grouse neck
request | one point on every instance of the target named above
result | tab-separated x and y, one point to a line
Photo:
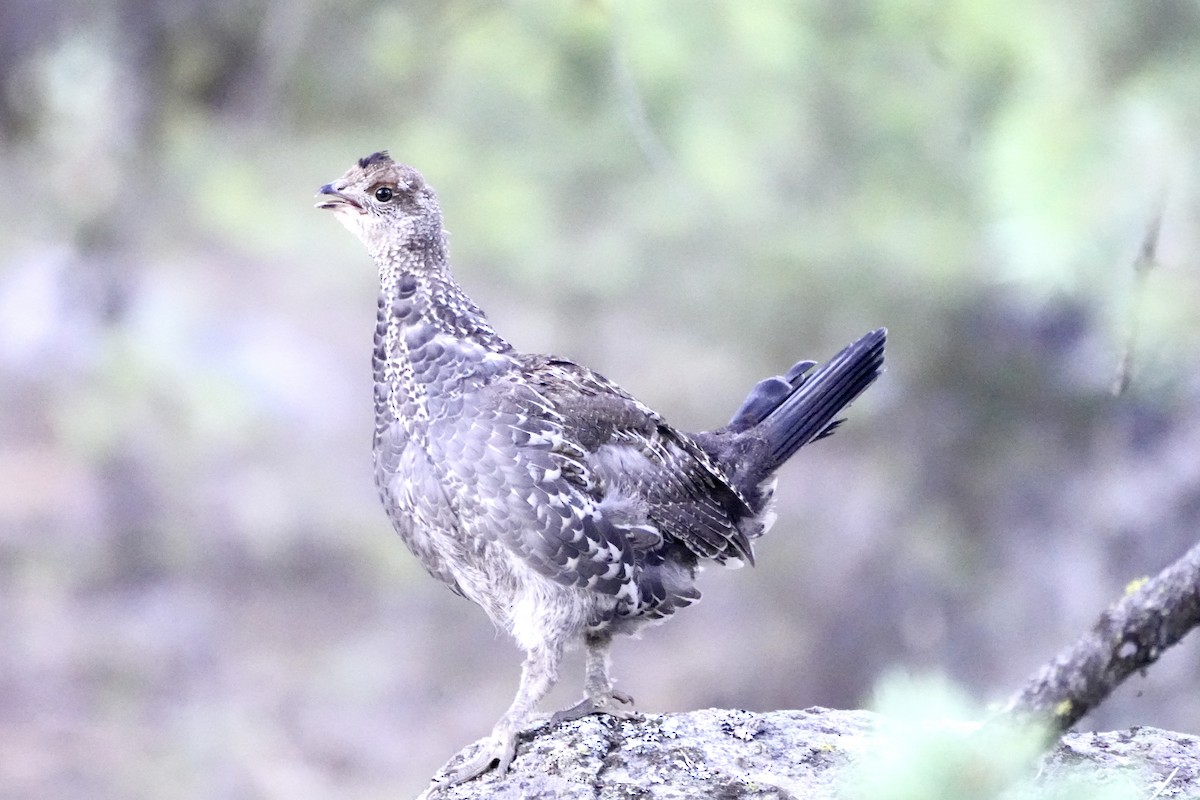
415	252
418	279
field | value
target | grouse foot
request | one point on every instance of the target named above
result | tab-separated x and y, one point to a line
497	749
615	703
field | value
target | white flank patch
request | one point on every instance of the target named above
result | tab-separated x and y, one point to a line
526	621
620	458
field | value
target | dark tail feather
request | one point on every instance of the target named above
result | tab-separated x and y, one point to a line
790	411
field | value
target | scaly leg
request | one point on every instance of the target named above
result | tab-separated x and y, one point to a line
599	695
538	675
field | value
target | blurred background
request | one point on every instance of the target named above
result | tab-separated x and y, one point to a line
199	594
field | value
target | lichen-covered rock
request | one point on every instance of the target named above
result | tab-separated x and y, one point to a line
739	755
1169	761
702	754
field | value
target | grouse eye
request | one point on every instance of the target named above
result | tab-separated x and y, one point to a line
383	194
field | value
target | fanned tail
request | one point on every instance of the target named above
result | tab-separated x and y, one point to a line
787	412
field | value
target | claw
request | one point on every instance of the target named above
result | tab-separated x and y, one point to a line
616	704
498	750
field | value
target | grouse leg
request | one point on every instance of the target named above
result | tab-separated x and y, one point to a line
599	695
538	675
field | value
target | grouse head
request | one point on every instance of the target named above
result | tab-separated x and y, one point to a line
384	203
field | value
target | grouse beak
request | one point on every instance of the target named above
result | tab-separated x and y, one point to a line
332	199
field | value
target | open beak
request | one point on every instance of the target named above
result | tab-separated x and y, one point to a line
333	199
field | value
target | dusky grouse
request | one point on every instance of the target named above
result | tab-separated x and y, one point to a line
539	489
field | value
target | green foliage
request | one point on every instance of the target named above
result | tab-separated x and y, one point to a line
935	747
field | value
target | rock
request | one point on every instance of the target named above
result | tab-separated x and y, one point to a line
736	755
1165	758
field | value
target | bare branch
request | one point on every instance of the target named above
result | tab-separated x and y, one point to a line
1128	637
648	140
1145	262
